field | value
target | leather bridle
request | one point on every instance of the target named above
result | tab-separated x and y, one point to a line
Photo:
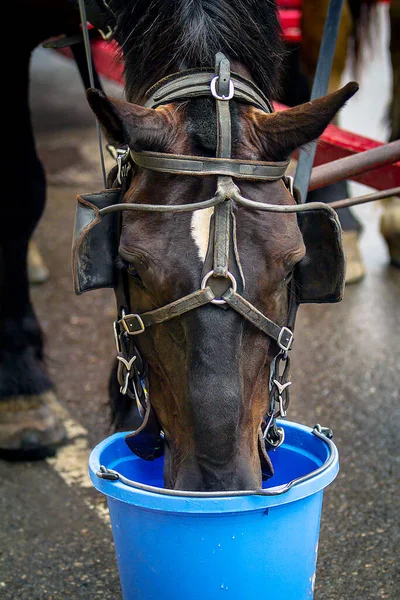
225	271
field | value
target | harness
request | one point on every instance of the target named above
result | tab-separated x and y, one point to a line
96	238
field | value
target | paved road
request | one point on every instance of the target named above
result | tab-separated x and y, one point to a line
55	541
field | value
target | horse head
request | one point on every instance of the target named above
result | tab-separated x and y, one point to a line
208	368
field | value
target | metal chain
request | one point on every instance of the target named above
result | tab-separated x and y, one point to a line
279	400
132	381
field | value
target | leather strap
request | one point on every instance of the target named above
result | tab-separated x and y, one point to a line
282	335
135	324
219	197
195	83
224	126
222	238
222	221
181	164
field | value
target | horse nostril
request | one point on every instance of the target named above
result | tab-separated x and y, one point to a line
289	277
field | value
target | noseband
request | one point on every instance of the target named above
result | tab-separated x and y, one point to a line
222	281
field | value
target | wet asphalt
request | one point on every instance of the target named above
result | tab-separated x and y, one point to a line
345	372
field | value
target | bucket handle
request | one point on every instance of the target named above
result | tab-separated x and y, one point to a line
323	433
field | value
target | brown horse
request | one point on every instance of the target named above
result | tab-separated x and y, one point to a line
209	370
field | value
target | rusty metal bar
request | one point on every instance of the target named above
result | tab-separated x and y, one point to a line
354	165
363	199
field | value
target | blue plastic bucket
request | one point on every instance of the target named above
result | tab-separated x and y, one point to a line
234	547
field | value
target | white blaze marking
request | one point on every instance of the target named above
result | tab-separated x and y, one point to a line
200	230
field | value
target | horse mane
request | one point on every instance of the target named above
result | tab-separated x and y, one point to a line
159	37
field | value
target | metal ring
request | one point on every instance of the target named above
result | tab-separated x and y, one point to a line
278	442
228	276
213	89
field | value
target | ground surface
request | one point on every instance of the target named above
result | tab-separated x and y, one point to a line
55	541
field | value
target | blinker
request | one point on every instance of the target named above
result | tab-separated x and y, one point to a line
95	242
320	278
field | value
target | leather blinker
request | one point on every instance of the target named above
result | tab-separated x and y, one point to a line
95	243
320	276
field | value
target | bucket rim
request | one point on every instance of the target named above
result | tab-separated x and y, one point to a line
156	499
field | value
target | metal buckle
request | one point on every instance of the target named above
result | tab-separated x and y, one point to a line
213	88
127	327
285	331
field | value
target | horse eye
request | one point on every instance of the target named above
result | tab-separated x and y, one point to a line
132	272
288	277
135	275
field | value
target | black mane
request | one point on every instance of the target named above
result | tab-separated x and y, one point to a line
159	37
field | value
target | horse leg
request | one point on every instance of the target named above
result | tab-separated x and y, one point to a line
313	22
390	218
29	424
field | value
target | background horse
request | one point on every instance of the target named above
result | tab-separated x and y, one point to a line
192	32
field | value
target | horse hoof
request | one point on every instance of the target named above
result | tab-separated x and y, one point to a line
30	427
390	229
355	270
37	270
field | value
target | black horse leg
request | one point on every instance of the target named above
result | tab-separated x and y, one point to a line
29	426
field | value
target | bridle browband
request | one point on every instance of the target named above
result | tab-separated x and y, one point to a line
178	164
222	254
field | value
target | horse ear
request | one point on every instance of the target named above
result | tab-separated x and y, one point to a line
282	132
125	123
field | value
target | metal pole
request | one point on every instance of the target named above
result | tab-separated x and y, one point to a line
363	199
319	88
356	164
